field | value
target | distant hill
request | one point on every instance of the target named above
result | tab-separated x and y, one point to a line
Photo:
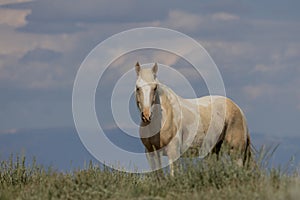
287	152
62	149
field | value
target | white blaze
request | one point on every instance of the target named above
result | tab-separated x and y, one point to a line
145	89
146	93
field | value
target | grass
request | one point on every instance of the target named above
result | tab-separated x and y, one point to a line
209	179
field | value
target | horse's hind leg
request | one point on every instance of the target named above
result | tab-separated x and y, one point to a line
216	150
235	132
235	142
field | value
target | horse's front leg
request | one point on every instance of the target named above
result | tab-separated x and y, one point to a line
154	159
173	153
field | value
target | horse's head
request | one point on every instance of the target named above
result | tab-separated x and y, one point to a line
146	89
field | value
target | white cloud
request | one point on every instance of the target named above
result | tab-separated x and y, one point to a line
257	91
34	74
279	59
191	22
285	92
14	18
16	44
253	91
178	19
230	48
270	67
19	43
223	16
145	56
293	50
262	68
5	2
165	58
8	131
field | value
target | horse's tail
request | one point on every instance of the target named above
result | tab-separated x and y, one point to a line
248	151
249	154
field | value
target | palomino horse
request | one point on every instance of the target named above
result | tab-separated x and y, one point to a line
172	126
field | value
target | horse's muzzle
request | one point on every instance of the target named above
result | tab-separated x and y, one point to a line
146	116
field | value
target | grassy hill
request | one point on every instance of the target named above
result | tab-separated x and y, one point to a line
210	179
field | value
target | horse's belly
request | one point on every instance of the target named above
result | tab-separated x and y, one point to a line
193	148
192	141
191	152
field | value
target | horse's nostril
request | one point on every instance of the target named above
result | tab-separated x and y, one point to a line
145	117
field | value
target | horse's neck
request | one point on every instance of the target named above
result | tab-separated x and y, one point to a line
167	95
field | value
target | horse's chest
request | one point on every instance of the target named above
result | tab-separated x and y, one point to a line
151	143
160	139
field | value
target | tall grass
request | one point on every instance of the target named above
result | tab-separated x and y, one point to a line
208	179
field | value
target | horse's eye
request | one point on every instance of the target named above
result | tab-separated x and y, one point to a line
137	88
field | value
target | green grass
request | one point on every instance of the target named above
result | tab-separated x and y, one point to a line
209	179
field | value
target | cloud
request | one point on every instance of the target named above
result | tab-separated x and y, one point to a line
32	60
14	18
37	68
254	92
40	55
18	43
8	2
57	16
183	20
200	22
9	131
223	16
256	50
51	16
262	68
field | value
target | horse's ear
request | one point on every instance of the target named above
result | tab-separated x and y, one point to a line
137	68
155	69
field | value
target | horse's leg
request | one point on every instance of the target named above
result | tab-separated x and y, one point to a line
173	153
154	159
236	142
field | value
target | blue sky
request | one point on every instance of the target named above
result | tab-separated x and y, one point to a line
255	44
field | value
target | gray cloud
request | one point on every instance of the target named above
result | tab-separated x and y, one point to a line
40	55
55	16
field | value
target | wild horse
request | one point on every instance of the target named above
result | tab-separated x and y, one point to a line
174	126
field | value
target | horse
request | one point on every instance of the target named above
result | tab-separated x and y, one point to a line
174	126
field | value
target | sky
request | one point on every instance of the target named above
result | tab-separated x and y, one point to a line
255	44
